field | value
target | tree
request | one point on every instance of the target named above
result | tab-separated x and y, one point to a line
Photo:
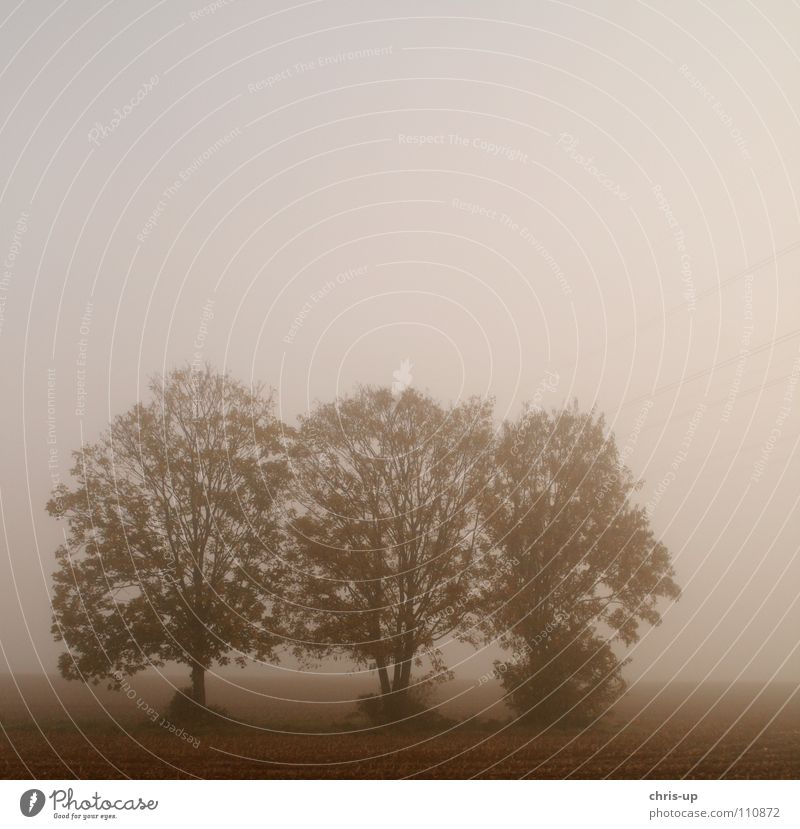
174	528
388	534
577	567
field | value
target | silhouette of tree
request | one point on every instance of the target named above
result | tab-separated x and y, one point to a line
389	535
576	569
173	521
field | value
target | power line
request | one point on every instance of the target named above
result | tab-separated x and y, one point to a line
670	312
721	364
745	393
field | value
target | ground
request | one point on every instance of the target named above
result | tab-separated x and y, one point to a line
743	732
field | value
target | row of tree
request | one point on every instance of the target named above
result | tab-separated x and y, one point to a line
203	530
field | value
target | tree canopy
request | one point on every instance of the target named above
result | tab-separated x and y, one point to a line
174	534
577	567
202	530
389	533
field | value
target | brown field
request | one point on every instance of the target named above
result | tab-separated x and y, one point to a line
697	732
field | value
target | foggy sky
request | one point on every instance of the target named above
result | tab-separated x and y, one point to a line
500	193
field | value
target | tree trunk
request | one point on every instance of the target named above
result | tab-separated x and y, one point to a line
383	674
405	670
199	684
386	698
396	697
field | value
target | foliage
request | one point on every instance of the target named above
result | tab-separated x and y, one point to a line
388	537
577	568
174	531
202	531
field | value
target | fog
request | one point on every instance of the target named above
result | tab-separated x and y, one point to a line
539	202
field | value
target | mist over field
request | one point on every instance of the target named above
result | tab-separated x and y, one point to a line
403	373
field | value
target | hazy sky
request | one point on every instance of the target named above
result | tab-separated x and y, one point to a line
310	194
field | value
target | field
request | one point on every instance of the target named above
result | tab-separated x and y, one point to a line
696	732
